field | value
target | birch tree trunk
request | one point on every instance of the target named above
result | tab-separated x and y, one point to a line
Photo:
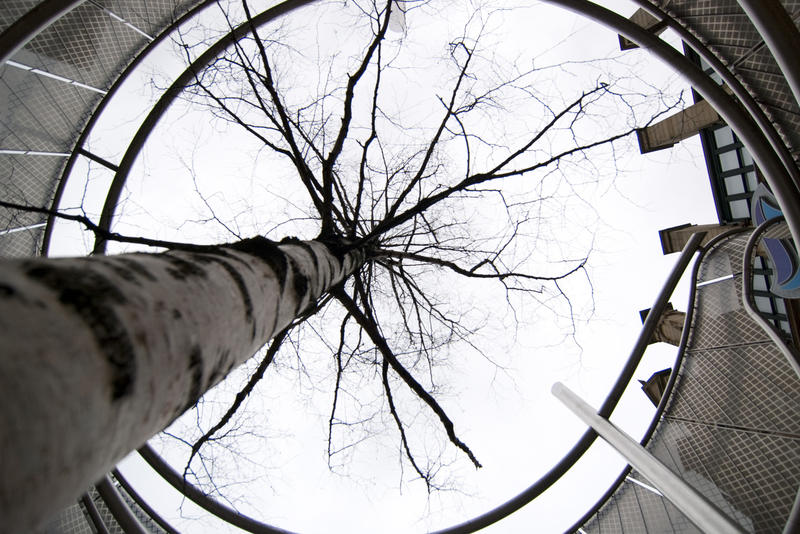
98	354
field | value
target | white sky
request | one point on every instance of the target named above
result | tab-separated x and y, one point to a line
516	428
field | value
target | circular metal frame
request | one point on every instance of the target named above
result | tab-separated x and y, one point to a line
750	123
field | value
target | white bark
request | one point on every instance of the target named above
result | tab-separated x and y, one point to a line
98	354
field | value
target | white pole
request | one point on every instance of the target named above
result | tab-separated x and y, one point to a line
700	511
22	228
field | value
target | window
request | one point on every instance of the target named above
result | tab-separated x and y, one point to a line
723	136
771	307
732	171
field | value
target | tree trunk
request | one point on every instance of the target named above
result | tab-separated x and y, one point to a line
98	354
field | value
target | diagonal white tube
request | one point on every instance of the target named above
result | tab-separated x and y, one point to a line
700	511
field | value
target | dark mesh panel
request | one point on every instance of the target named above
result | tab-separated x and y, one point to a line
71	520
14	9
42	113
20	178
635	509
148	16
21	183
724	321
39	113
720	376
87	45
21	244
731	427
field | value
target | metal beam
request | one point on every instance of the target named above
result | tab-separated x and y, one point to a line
97	159
94	515
748	300
146	508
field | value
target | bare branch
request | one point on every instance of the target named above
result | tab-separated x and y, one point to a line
347	115
371	329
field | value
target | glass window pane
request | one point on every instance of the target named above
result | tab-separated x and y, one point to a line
734	185
747	159
785	327
780	306
763	304
760	282
729	160
739	209
758	262
752	181
723	136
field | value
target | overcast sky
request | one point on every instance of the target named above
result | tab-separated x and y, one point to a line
508	418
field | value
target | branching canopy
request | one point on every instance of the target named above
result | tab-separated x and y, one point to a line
456	170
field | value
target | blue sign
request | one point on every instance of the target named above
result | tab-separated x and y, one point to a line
782	252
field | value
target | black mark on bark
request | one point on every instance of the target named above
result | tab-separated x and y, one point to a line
181	269
93	298
6	291
331	265
225	253
195	370
299	282
267	251
337	248
137	267
123	272
308	248
220	370
240	285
